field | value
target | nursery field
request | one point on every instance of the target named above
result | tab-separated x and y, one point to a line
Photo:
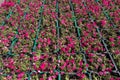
60	40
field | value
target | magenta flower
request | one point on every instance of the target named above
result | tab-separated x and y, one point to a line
76	1
42	66
104	73
48	41
118	37
112	79
54	31
36	58
81	63
20	75
112	44
41	79
111	39
63	66
117	78
69	15
85	33
50	78
71	45
100	73
9	77
39	46
117	52
91	60
41	40
24	50
4	41
34	66
33	53
77	10
19	78
26	35
91	55
99	60
44	44
105	2
63	21
82	76
7	4
53	15
103	22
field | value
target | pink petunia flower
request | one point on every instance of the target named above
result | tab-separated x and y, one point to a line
21	75
117	78
41	79
103	22
117	52
118	37
64	65
112	44
63	21
24	50
111	39
48	41
42	66
19	78
99	60
36	58
9	77
82	76
39	46
53	15
76	1
81	63
112	79
7	4
100	73
91	60
50	78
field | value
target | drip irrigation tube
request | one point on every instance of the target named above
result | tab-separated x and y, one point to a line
89	72
106	13
39	27
58	36
79	38
37	33
103	41
15	39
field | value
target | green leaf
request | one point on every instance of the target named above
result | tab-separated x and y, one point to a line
66	77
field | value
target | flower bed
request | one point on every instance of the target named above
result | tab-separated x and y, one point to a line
64	40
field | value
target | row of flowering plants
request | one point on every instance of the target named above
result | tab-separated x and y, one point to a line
91	39
59	39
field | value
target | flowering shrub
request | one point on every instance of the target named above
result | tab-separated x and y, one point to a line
59	40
